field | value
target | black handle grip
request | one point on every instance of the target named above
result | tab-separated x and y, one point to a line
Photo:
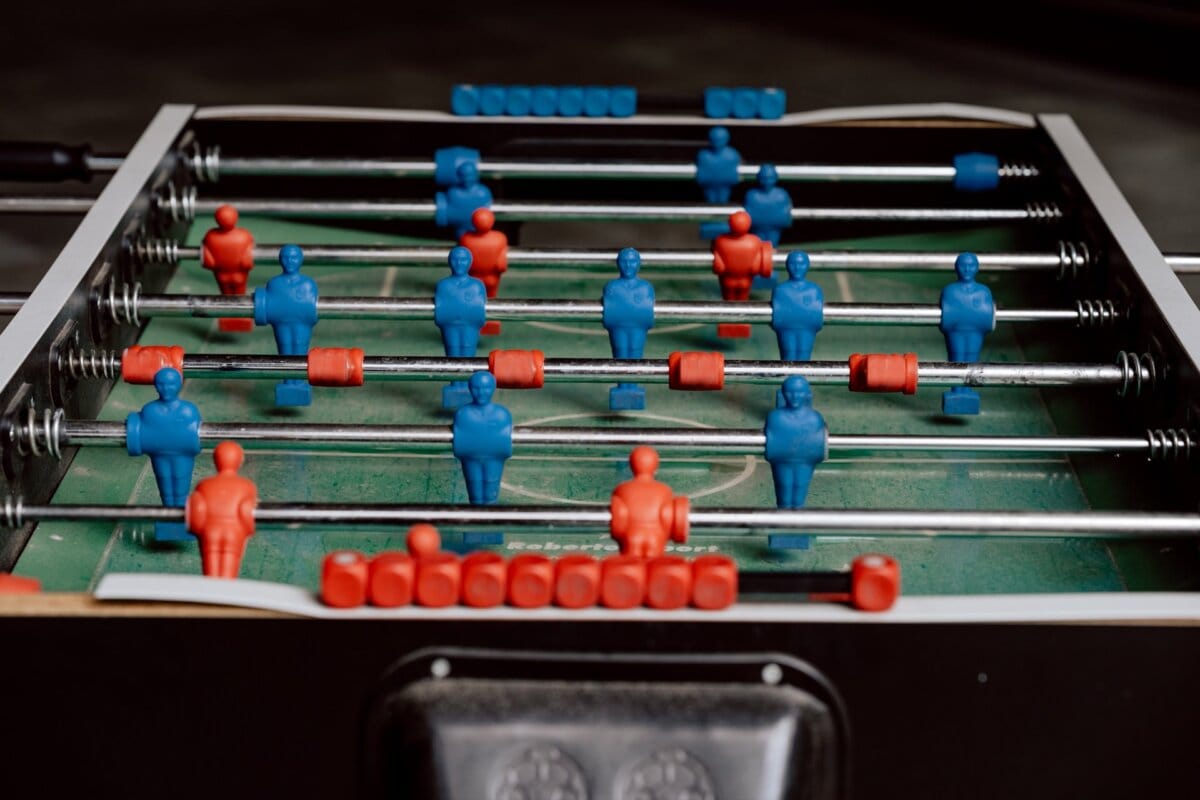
43	161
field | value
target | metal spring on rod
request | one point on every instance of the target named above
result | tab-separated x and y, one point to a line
1041	212
105	364
178	204
1139	372
1173	444
34	437
1097	313
205	163
123	309
14	513
143	252
1019	169
1074	257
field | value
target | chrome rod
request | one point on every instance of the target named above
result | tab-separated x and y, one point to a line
266	167
49	204
1184	263
416	308
353	438
603	260
599	370
603	170
878	522
102	165
675	212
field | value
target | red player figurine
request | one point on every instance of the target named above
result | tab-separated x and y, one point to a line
738	257
229	252
220	512
489	257
645	512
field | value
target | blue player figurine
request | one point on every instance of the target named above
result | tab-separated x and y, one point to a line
482	432
628	314
717	166
968	314
167	430
456	205
797	310
769	206
288	303
797	440
459	311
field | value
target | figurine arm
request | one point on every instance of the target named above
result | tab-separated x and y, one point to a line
246	511
197	512
619	521
718	263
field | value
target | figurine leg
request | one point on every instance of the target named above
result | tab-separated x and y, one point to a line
173	474
791	489
964	347
293	339
473	474
627	343
805	339
493	471
234	284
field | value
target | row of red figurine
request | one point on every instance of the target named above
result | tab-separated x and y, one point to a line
427	576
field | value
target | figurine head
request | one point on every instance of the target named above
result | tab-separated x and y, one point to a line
423	540
796	392
629	261
768	176
459	260
967	266
168	382
228	457
643	461
467	173
718	136
227	217
482	385
797	265
483	220
739	223
290	258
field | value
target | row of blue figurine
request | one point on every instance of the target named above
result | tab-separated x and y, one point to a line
744	102
768	204
493	100
288	303
516	100
797	315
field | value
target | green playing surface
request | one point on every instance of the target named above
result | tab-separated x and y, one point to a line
73	556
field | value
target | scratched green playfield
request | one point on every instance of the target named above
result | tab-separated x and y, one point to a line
73	556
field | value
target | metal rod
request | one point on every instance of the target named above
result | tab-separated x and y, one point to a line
45	205
416	308
674	212
877	522
603	170
102	164
599	370
732	441
602	260
267	167
1184	263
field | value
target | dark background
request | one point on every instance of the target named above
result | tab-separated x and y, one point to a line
1127	71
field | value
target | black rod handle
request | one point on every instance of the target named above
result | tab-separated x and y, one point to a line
44	161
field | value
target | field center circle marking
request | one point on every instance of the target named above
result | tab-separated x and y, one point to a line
748	468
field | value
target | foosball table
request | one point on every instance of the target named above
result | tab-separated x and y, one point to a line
521	500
